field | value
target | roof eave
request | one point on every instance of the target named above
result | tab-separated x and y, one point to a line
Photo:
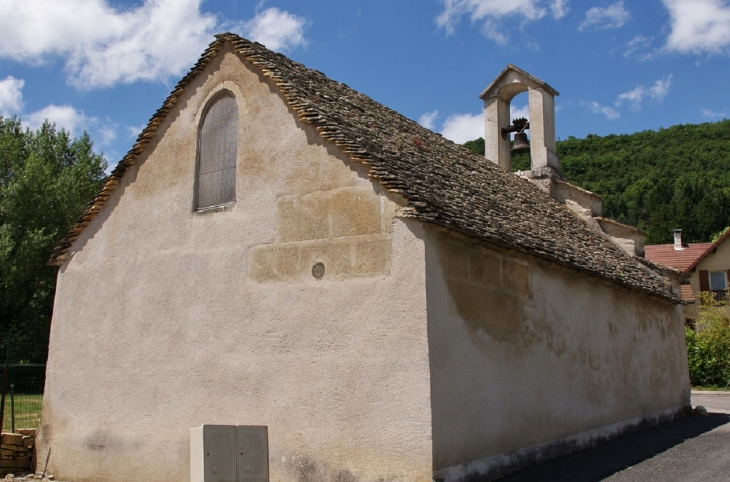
60	252
709	250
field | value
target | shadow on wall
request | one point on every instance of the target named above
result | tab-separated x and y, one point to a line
518	375
475	300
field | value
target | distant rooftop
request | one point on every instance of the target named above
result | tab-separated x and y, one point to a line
684	259
678	259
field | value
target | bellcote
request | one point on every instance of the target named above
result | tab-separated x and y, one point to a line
541	104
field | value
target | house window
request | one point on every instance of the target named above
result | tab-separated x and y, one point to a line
718	281
217	149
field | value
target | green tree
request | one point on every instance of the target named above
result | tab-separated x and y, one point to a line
46	181
708	344
477	145
718	235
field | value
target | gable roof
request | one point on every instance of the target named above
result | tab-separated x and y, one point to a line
710	249
687	294
678	259
444	183
685	259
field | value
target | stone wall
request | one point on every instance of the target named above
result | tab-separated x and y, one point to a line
16	451
347	230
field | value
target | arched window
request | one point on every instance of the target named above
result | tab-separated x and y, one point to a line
217	149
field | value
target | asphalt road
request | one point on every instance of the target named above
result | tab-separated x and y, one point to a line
692	449
719	401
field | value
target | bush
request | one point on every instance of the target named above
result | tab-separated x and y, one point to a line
708	344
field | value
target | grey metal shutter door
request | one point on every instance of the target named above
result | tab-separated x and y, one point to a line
217	155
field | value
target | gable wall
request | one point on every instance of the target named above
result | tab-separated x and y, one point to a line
166	319
528	360
717	261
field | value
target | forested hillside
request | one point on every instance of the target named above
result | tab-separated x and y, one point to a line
656	180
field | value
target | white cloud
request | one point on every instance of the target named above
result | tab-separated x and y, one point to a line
487	11
636	44
276	29
104	46
517	112
73	121
64	116
108	133
134	131
633	96
560	8
613	16
463	127
698	26
491	30
713	115
11	96
428	119
466	127
610	113
660	89
656	92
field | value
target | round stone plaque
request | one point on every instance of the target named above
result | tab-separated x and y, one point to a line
318	270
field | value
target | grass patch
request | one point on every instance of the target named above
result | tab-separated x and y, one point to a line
27	411
711	388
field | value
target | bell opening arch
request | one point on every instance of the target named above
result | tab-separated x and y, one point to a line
497	98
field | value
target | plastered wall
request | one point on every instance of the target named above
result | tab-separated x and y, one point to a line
167	319
717	261
524	354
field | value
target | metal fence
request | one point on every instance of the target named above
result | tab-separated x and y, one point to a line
22	378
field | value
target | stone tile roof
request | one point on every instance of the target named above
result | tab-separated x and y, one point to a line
444	183
678	259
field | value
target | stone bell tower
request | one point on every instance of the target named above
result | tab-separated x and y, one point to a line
541	98
545	172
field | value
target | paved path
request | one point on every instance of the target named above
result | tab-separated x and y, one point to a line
692	449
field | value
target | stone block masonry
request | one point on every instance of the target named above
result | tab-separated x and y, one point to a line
16	451
346	230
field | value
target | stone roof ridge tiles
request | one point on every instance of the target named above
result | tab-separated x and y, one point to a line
444	183
658	266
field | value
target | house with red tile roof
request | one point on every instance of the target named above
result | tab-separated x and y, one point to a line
705	265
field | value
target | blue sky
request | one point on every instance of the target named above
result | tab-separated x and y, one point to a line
623	66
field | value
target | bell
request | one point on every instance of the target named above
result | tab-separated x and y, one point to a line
521	144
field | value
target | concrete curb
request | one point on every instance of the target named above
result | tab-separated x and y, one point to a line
706	393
